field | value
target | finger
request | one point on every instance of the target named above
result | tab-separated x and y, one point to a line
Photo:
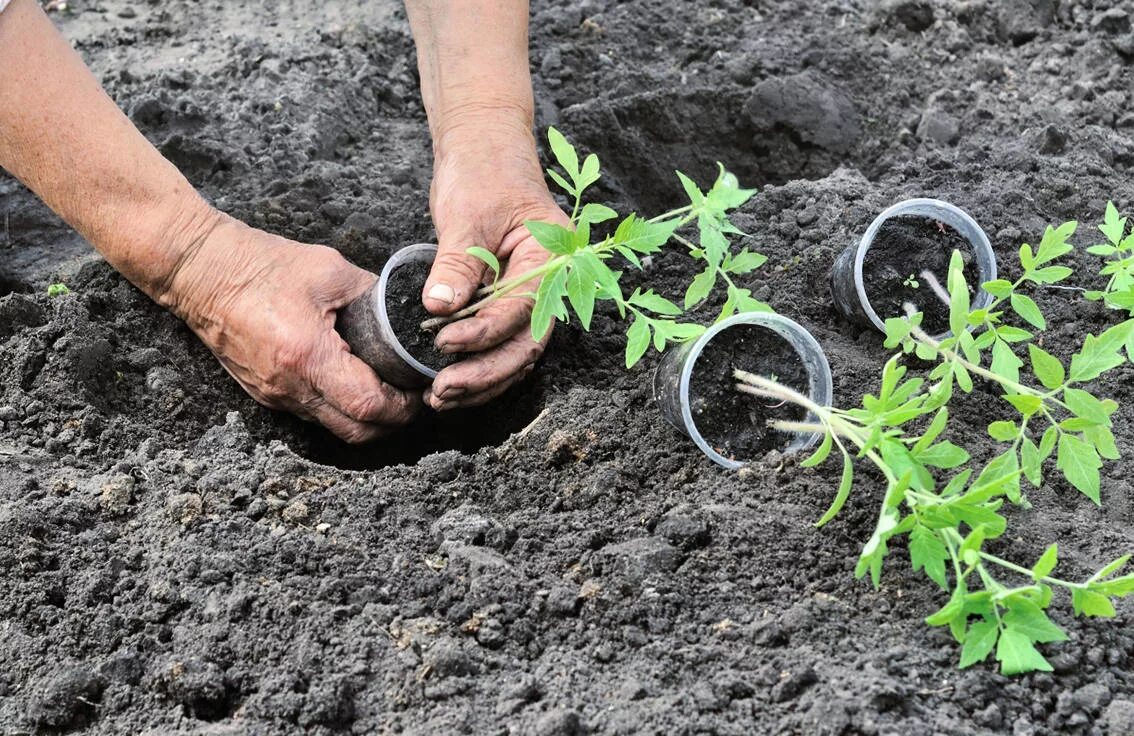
352	388
481	372
468	400
338	281
339	424
455	275
503	318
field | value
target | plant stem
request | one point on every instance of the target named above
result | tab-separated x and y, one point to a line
1026	572
498	291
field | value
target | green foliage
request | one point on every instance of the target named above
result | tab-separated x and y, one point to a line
579	273
1118	252
950	506
54	290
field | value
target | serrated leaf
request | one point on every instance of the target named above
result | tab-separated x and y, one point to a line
1084	404
595	213
1080	464
1099	354
979	642
1005	363
1018	655
1046	367
1113	227
637	341
1046	563
1003	431
928	553
1029	619
589	173
691	189
548	303
944	455
1091	604
1054	243
998	288
564	153
554	238
746	261
700	287
1028	310
655	303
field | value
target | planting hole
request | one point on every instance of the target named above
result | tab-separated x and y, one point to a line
735	424
464	430
907	259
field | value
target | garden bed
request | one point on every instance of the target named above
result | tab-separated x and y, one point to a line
176	559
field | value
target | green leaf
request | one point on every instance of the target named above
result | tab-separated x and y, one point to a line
1030	620
1046	367
1008	333
1046	563
1083	404
1113	227
1051	274
928	553
821	453
564	153
637	341
998	288
581	295
555	238
1099	354
655	303
563	184
1026	404
595	213
979	641
548	303
691	189
1004	431
1018	655
1005	363
1080	464
943	455
726	194
745	261
958	295
589	174
1030	462
842	495
1054	243
488	257
58	289
953	609
700	287
1111	568
1028	311
1091	604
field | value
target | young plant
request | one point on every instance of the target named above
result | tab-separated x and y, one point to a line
578	273
949	525
1119	254
54	290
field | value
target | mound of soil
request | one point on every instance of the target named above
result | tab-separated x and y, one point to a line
406	312
904	250
174	560
735	424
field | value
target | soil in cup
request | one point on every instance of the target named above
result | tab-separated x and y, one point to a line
406	313
893	271
735	424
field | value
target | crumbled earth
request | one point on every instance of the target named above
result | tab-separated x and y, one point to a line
176	559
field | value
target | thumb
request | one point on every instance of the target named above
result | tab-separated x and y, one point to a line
455	275
340	282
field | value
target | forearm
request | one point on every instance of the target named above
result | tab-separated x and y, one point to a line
473	62
66	140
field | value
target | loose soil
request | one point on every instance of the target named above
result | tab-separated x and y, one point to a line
173	561
902	251
735	424
406	313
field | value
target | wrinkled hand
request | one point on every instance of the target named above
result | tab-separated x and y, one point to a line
487	181
266	308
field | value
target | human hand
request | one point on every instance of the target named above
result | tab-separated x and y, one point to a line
487	181
266	308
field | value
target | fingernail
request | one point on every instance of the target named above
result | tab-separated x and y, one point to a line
441	293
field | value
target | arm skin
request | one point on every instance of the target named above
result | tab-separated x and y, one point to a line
264	305
487	180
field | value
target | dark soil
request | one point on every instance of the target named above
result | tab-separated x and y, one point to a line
406	312
173	562
893	270
735	424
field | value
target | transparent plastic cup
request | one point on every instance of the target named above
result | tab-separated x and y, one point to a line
672	377
365	325
847	285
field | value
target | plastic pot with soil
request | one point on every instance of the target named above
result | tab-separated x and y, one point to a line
697	392
904	258
383	326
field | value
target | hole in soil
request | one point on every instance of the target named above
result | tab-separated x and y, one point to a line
10	285
641	139
464	430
